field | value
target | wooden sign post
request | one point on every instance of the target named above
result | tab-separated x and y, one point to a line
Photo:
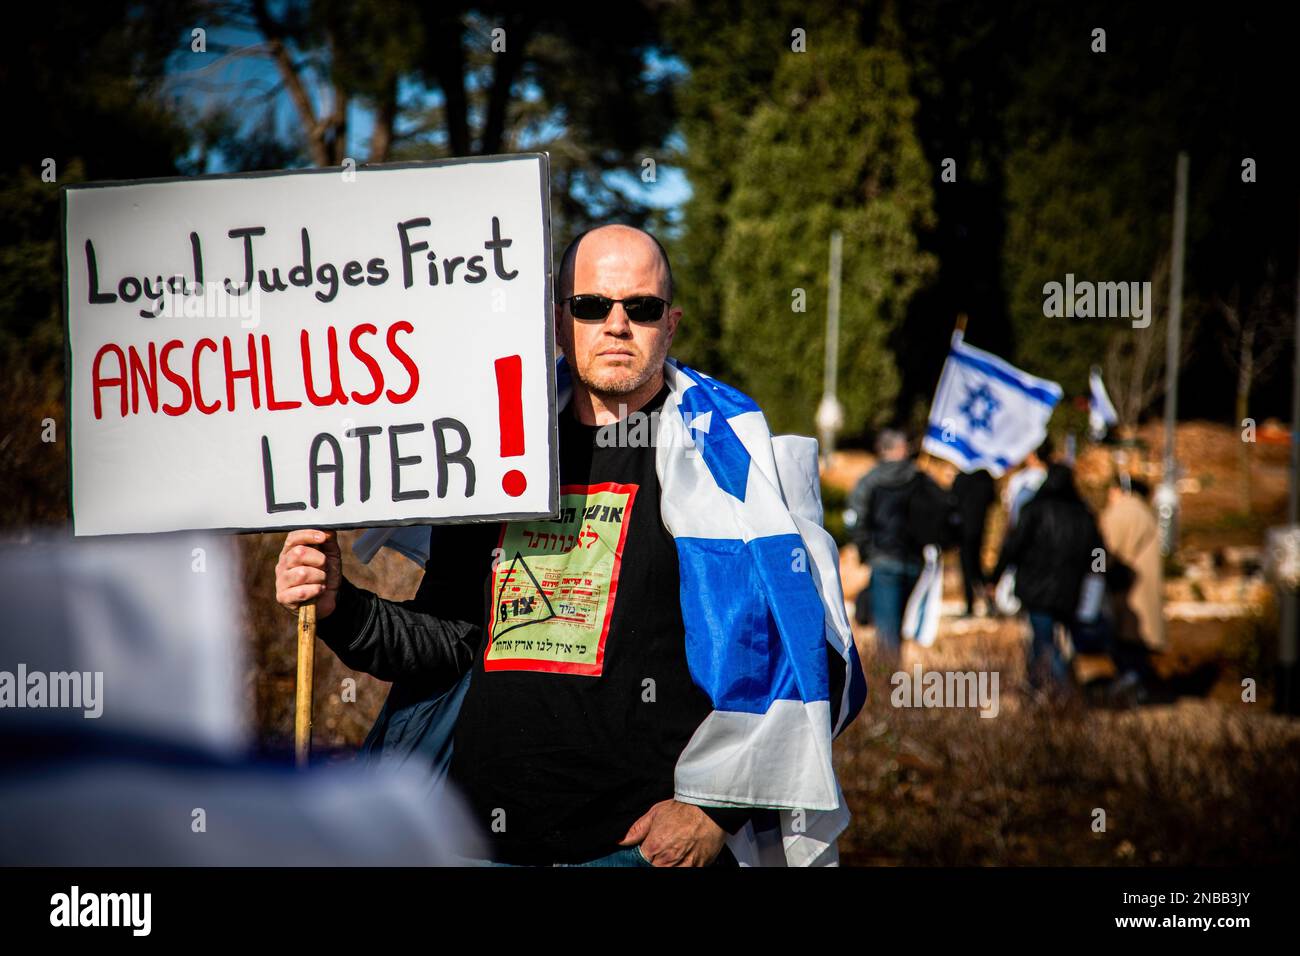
302	709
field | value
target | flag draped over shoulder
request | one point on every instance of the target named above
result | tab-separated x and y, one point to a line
987	413
761	600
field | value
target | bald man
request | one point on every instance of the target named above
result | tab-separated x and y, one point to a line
563	762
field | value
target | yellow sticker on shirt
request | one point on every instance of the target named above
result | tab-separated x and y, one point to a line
555	582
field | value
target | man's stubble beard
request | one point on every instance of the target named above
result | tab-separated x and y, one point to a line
626	384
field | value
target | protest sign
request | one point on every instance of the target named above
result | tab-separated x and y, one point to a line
318	348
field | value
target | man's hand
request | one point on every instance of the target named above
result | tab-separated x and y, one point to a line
310	569
676	834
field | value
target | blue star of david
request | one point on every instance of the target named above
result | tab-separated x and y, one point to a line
979	408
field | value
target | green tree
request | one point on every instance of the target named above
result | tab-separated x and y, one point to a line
1089	175
1078	225
731	51
87	103
833	147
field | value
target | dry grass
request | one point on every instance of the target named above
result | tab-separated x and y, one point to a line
1196	782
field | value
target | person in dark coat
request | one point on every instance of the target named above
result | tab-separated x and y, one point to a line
974	494
880	528
1054	546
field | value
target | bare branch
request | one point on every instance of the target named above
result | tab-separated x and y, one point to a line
505	67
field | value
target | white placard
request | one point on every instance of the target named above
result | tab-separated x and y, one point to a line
390	362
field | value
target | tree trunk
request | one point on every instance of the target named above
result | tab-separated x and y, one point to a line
381	140
505	68
448	65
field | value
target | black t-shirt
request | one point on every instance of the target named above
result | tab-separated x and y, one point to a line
581	699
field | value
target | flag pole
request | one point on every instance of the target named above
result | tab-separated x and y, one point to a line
1167	493
303	689
830	414
959	329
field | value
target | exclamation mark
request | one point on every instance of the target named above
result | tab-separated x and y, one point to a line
510	411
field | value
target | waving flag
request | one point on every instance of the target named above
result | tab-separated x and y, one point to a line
1101	413
987	413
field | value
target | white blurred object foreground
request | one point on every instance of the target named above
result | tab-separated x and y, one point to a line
161	777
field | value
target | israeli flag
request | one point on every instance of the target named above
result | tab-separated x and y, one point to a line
1101	413
987	413
921	616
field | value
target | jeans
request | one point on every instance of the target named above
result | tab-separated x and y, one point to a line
972	571
1045	660
891	585
623	856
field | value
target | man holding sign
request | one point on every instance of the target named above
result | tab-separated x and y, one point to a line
655	673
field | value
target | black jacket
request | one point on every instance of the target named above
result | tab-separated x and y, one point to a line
879	501
974	493
1052	547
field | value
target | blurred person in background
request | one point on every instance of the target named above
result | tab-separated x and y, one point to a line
1136	574
974	493
1053	546
883	503
1024	484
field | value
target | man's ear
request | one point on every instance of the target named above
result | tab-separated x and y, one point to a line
674	317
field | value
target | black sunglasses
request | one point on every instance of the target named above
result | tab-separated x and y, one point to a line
639	308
